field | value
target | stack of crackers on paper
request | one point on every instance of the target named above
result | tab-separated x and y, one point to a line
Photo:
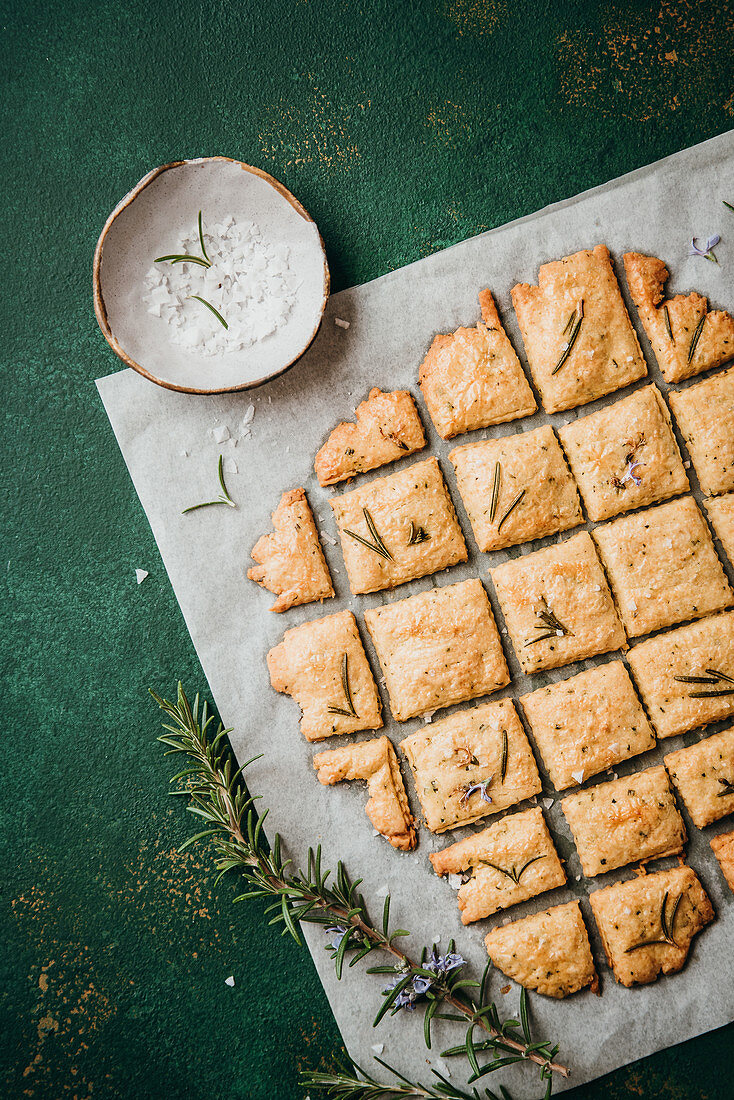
642	577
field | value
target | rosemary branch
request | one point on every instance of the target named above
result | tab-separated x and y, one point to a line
217	794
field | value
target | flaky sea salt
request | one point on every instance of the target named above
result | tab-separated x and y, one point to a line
249	283
229	465
140	575
221	433
454	881
229	981
578	776
377	1048
327	538
342	324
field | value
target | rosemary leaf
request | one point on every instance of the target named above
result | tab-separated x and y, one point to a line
728	785
514	504
182	258
210	307
201	241
712	694
728	204
721	675
573	336
417	535
495	491
375	535
696	337
668	325
225	498
367	543
503	763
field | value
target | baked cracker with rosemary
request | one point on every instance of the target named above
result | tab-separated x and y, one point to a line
625	455
516	488
323	665
471	764
686	676
685	337
721	515
398	528
472	378
438	648
662	566
548	951
627	820
586	724
557	605
705	415
723	848
510	861
647	923
703	775
387	428
376	762
290	561
578	337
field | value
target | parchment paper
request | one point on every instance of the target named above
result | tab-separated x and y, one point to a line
656	209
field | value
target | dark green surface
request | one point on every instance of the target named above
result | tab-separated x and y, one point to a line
401	135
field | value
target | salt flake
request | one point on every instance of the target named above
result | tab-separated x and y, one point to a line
140	575
229	981
342	324
378	1047
221	433
578	776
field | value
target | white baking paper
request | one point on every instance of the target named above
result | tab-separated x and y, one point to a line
168	442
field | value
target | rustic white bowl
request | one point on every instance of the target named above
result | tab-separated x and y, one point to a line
145	223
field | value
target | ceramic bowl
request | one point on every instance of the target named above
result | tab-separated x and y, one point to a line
144	225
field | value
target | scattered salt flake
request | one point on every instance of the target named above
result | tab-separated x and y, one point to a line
579	775
270	400
577	877
382	892
437	939
328	538
597	588
442	1067
429	717
559	633
506	921
341	323
547	802
221	433
378	1047
249	416
229	465
376	832
140	575
229	981
633	605
454	881
687	464
504	630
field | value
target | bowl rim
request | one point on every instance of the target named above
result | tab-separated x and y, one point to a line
100	308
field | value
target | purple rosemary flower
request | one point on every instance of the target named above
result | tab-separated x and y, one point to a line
708	251
442	964
406	997
481	787
630	475
338	934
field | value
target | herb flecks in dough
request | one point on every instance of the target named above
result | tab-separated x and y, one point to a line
573	323
377	545
667	926
224	498
349	710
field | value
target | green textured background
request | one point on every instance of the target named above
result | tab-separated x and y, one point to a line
403	128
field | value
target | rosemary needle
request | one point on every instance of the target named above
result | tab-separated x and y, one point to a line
181	258
209	306
377	545
728	204
349	710
495	491
668	325
225	498
513	873
579	314
201	241
503	764
696	337
514	504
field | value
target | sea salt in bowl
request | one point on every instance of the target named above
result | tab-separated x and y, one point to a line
247	304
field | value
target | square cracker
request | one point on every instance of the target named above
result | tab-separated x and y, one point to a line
564	581
510	861
536	495
721	515
662	566
290	560
672	326
585	725
472	378
669	670
414	518
548	952
631	819
387	428
625	455
578	337
470	764
705	415
631	916
387	807
437	648
704	777
316	663
723	848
